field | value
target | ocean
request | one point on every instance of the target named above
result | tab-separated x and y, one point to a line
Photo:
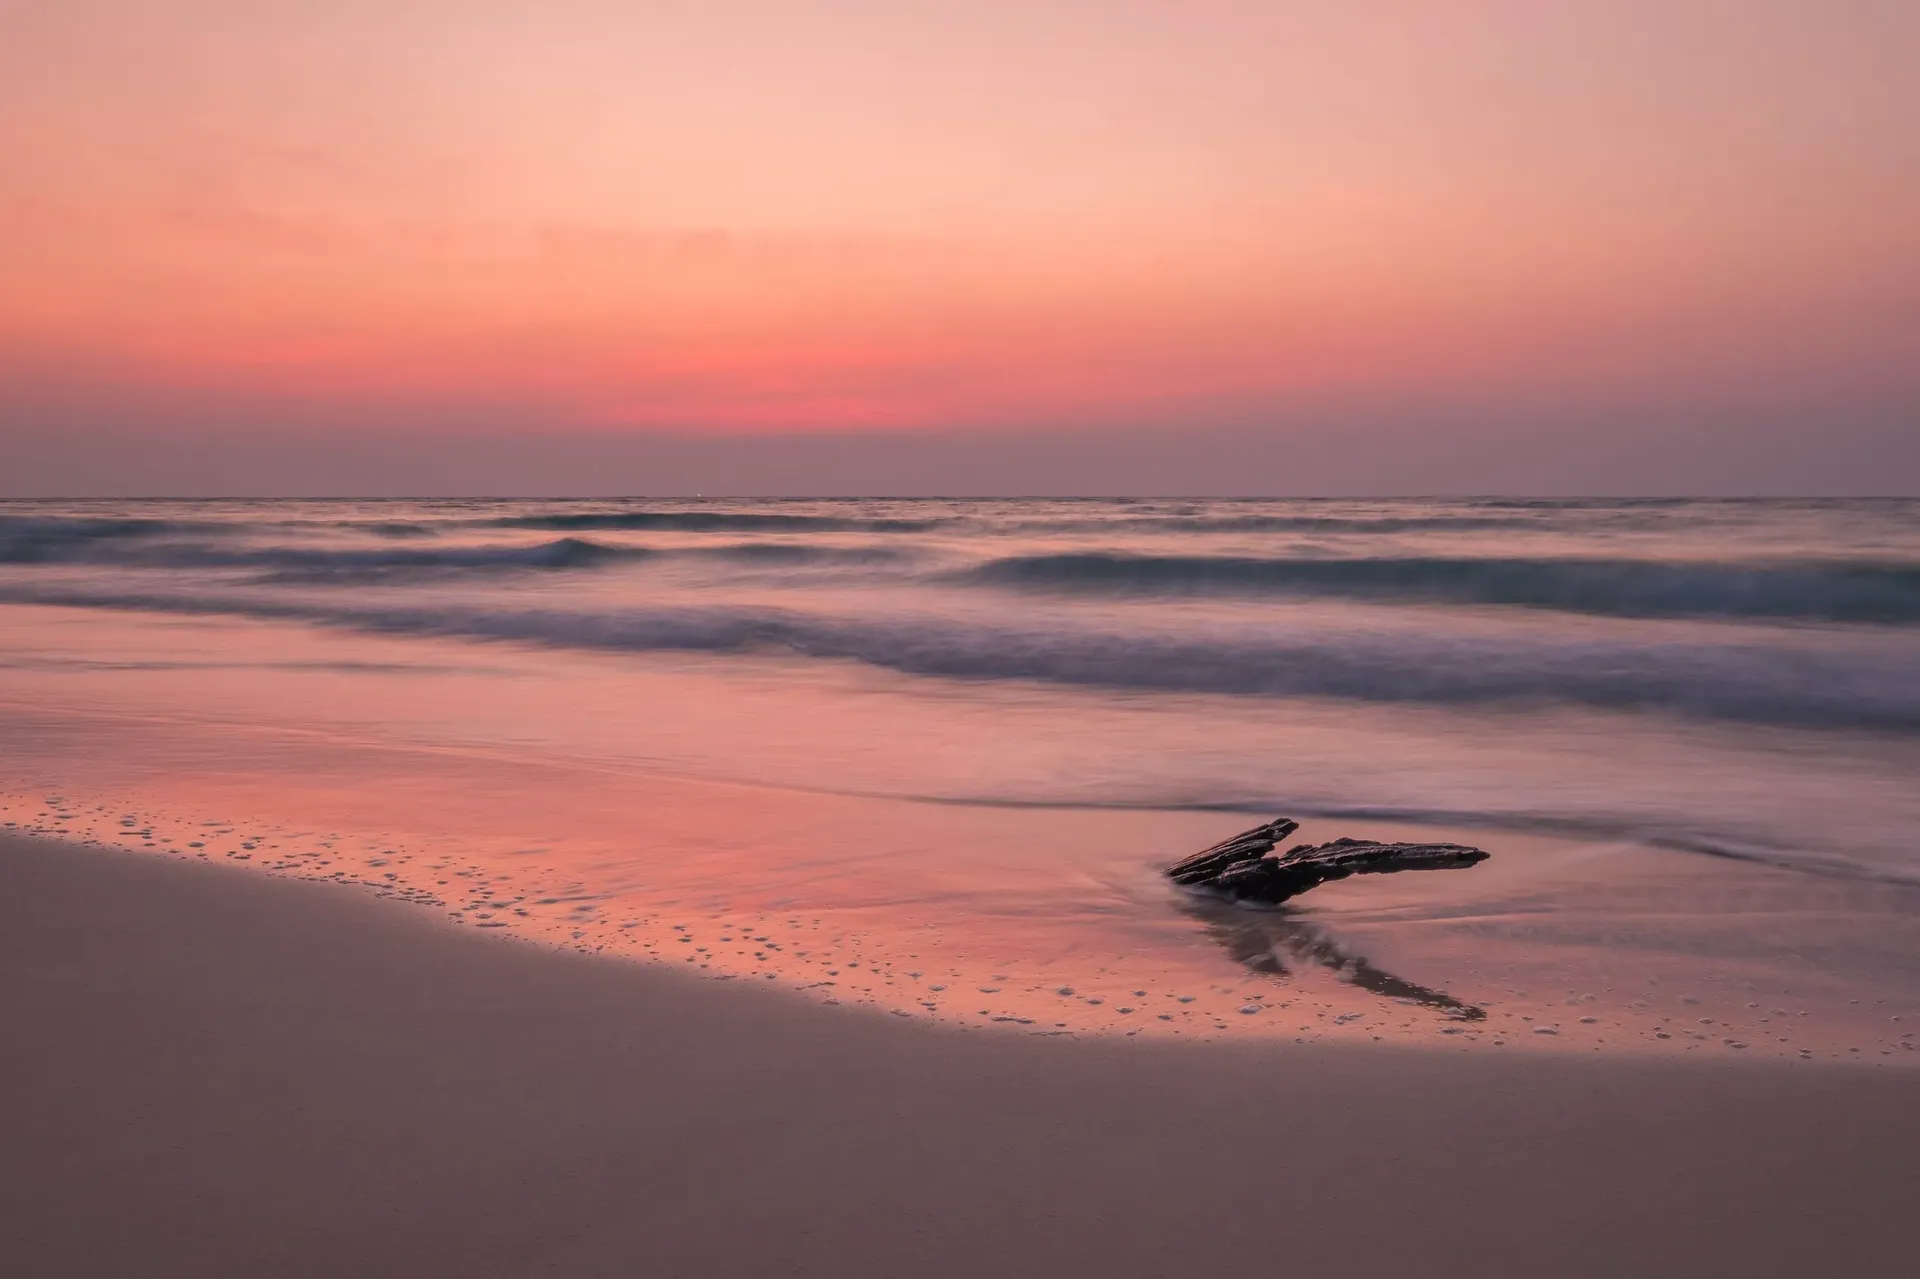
957	737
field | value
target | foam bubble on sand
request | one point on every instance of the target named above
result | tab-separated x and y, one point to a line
541	901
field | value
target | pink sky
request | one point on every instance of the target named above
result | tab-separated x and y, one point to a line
583	216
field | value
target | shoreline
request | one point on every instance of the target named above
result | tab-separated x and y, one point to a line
224	1073
1401	959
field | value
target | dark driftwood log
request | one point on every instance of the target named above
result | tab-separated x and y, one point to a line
1243	870
1247	846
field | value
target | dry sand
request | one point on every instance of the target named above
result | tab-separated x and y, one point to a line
211	1072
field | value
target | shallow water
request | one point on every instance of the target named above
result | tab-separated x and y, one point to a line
950	742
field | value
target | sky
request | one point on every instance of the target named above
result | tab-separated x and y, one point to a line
1077	246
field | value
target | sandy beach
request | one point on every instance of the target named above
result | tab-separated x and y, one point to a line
215	1072
959	641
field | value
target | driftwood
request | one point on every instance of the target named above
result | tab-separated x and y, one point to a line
1242	869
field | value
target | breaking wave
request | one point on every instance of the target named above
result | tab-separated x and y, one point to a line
789	554
1866	687
715	522
369	562
564	553
34	539
295	562
1177	523
1880	592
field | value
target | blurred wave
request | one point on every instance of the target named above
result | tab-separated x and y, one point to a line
1839	591
1740	680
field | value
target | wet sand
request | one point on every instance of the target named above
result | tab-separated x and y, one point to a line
212	1072
1059	920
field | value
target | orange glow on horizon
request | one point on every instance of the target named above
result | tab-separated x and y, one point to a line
870	217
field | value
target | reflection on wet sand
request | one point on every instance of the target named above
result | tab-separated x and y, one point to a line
1268	941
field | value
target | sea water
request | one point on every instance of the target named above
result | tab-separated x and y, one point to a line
955	739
